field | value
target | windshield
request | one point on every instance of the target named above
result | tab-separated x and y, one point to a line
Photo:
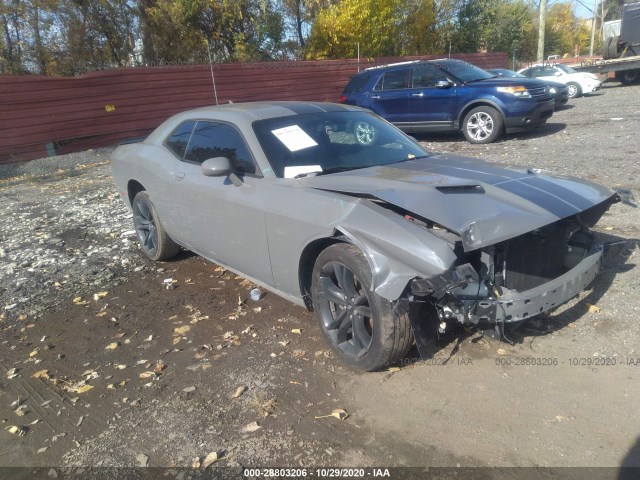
463	70
326	142
566	69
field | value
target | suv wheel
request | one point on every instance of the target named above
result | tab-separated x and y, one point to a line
365	133
482	125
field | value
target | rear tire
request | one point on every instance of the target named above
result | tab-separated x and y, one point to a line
482	125
574	90
154	241
359	325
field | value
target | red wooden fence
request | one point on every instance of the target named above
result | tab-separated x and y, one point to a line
40	115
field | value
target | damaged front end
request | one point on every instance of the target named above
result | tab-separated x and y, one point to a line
518	278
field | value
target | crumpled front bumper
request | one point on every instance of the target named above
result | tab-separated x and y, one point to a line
513	306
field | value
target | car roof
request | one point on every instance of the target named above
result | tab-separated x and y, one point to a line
244	114
268	109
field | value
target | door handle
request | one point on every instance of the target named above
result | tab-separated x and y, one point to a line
417	94
375	97
178	175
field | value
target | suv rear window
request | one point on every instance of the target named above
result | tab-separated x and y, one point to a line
356	84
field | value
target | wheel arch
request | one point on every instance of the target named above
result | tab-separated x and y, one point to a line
133	188
308	259
479	103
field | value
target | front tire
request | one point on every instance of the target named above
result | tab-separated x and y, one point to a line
482	125
574	90
154	240
359	325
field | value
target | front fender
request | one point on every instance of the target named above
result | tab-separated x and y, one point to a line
397	250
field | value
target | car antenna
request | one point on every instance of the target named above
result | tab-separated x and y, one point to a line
213	78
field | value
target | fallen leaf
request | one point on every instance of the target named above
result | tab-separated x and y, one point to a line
189	389
79	301
195	463
239	391
571	325
251	427
20	431
101	314
120	366
394	369
296	330
149	338
112	346
41	374
21	411
338	413
84	388
42	450
13	373
180	331
99	295
501	351
142	459
257	309
299	353
210	459
593	308
149	374
285	343
34	353
160	366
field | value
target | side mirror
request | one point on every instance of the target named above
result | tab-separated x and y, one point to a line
216	167
443	84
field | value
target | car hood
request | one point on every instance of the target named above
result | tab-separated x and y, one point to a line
483	203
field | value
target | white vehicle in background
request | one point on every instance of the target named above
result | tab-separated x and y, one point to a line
579	83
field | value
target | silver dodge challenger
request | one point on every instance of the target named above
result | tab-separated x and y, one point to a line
338	211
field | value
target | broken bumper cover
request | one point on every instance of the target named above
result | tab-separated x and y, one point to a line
514	306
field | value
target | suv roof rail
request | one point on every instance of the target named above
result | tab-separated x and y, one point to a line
393	64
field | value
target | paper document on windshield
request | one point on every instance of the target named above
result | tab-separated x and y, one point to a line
293	172
294	138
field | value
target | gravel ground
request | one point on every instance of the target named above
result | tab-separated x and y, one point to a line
73	282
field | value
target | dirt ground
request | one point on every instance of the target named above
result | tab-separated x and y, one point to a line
102	365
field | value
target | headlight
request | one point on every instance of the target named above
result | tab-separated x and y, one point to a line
519	91
553	90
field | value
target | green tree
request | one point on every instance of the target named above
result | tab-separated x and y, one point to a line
380	27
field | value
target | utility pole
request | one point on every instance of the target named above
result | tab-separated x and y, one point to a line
593	26
541	25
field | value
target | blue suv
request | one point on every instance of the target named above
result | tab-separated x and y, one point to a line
450	95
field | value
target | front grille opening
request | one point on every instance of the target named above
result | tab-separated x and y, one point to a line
536	257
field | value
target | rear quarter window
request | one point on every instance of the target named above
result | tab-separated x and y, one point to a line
177	142
356	84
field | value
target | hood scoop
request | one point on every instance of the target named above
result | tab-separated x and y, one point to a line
460	189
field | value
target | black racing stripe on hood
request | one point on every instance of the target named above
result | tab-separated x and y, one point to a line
561	192
545	200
